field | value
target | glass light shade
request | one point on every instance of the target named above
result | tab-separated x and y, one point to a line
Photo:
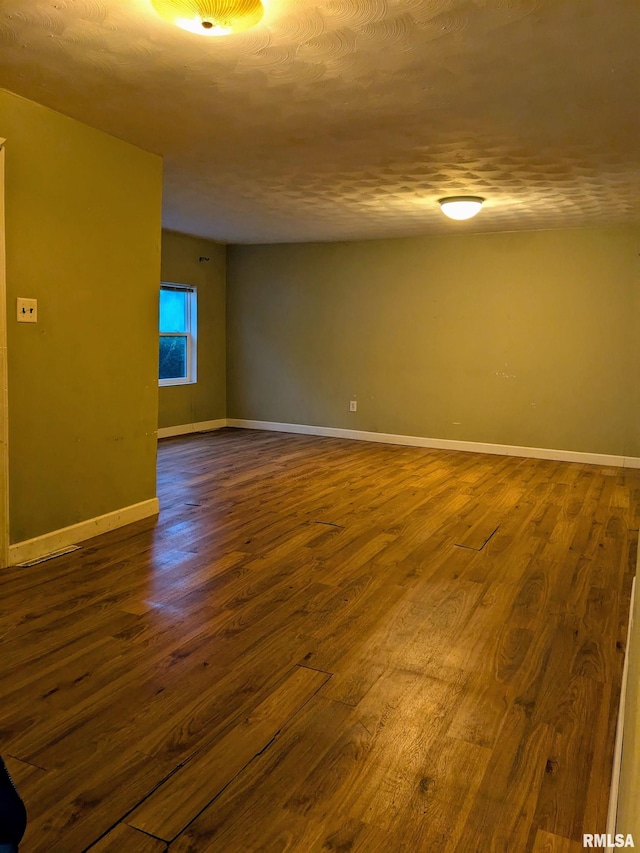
211	17
461	207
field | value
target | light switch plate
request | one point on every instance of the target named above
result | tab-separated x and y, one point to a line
27	310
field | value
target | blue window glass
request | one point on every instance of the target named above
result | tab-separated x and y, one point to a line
173	310
173	357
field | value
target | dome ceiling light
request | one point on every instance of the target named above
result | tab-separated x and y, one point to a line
461	206
211	17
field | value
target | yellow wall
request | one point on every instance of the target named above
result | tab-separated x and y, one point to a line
205	400
520	338
83	237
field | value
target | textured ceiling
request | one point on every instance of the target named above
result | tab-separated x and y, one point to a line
349	118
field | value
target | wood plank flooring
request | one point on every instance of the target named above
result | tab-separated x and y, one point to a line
325	645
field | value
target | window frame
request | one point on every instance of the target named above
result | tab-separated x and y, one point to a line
191	333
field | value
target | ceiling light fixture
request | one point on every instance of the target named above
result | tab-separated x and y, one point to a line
211	17
461	206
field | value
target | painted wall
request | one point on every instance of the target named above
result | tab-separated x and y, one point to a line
83	238
519	338
205	400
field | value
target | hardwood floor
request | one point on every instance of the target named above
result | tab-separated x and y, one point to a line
325	645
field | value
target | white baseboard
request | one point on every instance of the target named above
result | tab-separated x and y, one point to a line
40	546
185	429
443	443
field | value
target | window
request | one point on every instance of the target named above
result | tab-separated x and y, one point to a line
178	328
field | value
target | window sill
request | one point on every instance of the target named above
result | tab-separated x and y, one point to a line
166	383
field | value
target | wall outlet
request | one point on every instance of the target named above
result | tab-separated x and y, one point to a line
27	310
353	405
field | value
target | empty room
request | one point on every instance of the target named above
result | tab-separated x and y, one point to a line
319	426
